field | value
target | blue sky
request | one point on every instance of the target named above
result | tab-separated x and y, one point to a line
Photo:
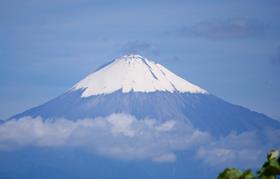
230	48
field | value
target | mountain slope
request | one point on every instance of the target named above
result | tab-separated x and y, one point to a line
137	86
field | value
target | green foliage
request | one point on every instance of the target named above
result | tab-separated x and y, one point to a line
269	170
230	173
247	174
233	173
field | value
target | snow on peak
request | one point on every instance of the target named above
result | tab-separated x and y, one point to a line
133	73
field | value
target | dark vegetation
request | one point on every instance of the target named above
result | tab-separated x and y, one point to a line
269	170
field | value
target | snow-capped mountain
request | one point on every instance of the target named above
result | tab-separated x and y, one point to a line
134	73
133	118
142	88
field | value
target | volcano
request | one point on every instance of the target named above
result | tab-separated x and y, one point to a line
134	118
142	88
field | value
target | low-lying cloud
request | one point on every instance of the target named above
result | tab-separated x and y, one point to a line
245	149
124	137
118	135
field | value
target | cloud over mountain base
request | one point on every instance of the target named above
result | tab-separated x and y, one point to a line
124	137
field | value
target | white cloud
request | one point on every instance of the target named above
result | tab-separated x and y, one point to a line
121	125
118	135
167	126
244	149
169	157
124	137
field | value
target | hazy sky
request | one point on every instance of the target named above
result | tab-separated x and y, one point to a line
229	47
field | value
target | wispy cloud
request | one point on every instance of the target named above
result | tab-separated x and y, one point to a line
169	157
245	149
275	59
224	28
124	137
138	47
118	135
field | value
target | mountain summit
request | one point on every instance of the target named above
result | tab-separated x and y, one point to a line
134	73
